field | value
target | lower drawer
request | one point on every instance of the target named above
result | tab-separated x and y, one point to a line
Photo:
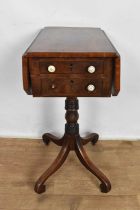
64	87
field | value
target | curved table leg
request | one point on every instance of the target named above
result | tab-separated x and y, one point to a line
81	154
39	186
47	137
93	138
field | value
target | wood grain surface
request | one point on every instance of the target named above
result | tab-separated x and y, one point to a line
22	160
74	41
71	50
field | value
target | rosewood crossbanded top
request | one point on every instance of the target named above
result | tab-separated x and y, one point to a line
72	41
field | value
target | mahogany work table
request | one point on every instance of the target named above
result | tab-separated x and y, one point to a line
71	62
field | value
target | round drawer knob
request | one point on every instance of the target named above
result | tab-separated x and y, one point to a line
53	86
91	69
90	88
51	69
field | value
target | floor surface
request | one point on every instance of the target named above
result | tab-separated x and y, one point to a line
72	187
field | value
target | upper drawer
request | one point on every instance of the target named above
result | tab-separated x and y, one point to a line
52	66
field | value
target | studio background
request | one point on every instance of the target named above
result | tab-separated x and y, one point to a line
24	116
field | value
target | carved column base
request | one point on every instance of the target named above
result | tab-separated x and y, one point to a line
72	141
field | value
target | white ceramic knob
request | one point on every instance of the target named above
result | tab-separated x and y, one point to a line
90	88
91	69
51	69
53	86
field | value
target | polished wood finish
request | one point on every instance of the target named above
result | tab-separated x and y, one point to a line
72	141
71	51
71	77
63	87
71	42
39	186
81	154
26	75
67	66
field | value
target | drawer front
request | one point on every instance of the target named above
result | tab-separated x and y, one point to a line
90	67
63	86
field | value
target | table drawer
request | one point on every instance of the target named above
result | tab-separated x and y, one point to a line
49	66
62	86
